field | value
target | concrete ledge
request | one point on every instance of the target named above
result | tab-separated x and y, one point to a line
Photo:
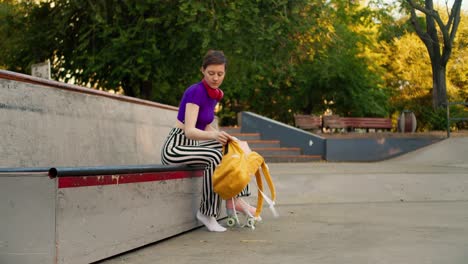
85	218
48	123
28	79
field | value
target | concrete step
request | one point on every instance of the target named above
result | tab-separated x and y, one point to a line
231	130
270	150
277	151
292	158
263	143
246	136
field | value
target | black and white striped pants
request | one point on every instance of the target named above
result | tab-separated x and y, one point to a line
178	149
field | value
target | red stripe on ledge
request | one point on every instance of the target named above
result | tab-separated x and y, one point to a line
96	180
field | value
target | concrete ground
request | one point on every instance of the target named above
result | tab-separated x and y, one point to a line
411	209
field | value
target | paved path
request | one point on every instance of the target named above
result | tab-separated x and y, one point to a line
412	209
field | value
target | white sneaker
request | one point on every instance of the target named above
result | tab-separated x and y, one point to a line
210	223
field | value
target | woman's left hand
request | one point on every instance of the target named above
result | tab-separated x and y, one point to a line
223	137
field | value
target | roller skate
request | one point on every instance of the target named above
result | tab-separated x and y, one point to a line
237	206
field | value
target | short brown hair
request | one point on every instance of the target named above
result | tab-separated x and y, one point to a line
214	57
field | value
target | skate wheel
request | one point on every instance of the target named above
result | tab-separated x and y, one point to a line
231	222
251	223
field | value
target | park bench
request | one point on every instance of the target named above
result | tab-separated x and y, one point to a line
351	123
308	122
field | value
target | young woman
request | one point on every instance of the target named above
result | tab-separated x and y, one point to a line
194	141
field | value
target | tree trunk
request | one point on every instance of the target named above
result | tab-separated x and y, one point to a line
127	87
146	89
439	87
439	95
139	89
439	84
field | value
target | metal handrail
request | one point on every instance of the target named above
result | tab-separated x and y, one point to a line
448	104
98	170
109	170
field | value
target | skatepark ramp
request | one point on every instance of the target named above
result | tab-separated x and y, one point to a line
47	123
449	152
102	198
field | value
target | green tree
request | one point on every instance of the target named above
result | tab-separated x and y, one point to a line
409	75
439	49
140	46
285	56
341	68
457	68
25	38
152	49
258	36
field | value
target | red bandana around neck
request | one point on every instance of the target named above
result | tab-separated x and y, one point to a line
214	93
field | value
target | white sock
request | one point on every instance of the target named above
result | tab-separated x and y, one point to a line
210	223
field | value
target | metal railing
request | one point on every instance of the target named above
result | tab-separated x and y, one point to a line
97	170
108	170
448	104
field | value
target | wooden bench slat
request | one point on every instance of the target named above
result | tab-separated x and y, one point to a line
308	121
357	122
316	122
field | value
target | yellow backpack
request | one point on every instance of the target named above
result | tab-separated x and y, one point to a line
234	172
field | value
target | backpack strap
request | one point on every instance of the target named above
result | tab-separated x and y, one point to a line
258	177
261	194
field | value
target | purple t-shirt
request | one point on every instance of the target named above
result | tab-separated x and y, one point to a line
196	94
